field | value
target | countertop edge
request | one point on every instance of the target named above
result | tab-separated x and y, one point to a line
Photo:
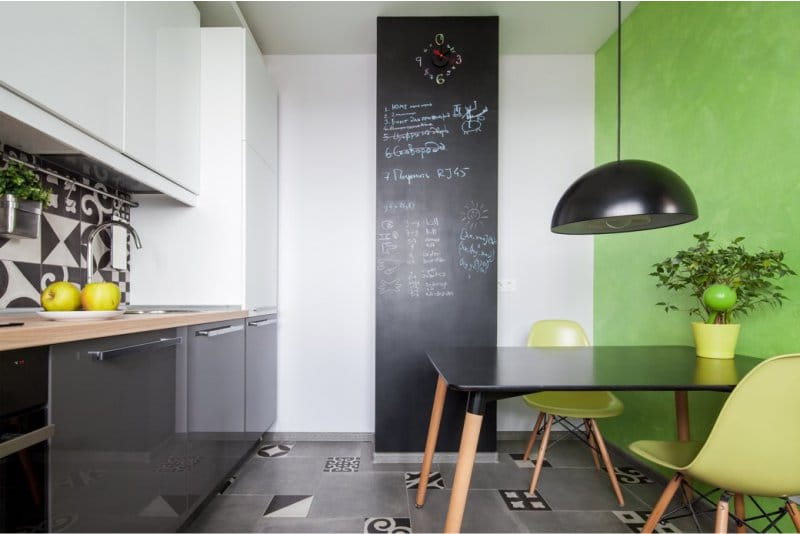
37	332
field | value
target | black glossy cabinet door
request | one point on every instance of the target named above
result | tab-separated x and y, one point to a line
118	458
261	373
215	404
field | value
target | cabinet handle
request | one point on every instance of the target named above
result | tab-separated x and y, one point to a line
102	355
263	322
220	331
13	446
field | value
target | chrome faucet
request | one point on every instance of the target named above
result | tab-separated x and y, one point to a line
90	239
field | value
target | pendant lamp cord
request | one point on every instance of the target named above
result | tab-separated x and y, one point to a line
619	78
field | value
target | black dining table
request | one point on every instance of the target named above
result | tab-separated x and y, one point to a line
489	374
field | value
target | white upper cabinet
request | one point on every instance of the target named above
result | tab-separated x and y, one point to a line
261	119
68	58
162	89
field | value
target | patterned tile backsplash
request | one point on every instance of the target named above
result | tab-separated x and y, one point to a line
27	266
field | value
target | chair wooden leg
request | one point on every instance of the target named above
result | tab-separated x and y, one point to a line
663	502
532	439
738	510
791	507
540	457
612	475
592	444
721	523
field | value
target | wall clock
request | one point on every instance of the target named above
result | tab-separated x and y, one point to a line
439	60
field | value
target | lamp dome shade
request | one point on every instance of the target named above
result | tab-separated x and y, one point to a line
624	196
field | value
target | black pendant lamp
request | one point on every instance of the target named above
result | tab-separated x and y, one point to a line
624	195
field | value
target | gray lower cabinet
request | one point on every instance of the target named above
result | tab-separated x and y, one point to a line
261	373
118	456
215	413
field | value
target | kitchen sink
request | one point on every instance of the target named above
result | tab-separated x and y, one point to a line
157	312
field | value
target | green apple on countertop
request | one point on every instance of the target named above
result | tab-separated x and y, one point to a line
100	296
65	296
61	296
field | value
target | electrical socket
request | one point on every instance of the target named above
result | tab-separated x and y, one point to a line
506	286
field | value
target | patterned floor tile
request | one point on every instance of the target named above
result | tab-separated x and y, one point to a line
635	520
342	464
387	524
526	464
519	500
275	450
630	475
289	506
435	480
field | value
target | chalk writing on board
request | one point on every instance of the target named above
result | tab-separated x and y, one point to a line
398	205
421	175
409	150
388	286
476	252
474	214
472	119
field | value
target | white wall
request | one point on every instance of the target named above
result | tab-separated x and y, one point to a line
326	242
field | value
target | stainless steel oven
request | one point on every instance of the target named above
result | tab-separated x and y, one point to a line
24	435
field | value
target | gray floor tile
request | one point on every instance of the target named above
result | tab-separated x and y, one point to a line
581	489
569	453
503	474
231	513
368	494
485	512
281	476
561	521
399	468
324	449
345	524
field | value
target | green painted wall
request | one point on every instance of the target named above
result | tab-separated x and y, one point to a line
711	90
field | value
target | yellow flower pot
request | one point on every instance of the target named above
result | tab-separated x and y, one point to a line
715	340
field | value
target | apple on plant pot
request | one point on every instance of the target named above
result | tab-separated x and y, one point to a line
100	296
61	296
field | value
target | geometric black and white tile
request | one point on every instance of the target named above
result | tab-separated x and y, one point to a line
342	464
635	520
391	525
289	506
630	475
521	500
27	266
435	480
275	450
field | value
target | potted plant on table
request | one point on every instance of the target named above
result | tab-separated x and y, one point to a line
727	282
21	198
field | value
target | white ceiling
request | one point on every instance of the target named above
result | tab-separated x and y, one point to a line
349	27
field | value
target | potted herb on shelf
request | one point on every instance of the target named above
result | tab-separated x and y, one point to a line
727	282
21	199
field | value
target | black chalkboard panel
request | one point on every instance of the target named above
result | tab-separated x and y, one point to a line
436	218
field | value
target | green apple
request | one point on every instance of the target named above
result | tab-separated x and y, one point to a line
719	297
61	296
100	296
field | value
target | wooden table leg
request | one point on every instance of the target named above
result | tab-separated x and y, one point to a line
684	433
466	459
433	435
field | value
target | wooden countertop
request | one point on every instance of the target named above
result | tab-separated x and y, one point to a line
38	331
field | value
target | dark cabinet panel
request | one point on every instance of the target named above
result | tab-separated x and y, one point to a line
215	404
118	460
261	373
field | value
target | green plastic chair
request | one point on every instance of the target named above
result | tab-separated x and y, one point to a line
586	405
751	450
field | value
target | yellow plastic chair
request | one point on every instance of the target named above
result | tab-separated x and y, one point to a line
751	450
586	405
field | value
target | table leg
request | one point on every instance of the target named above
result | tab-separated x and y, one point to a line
433	435
476	406
684	434
682	414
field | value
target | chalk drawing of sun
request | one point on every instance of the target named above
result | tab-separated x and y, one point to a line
474	214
